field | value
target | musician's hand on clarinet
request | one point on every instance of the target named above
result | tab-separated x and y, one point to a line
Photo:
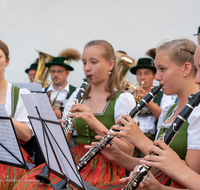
149	183
83	112
130	130
111	151
166	159
69	135
125	180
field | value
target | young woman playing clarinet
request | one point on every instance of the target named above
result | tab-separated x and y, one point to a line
10	97
168	161
104	104
176	73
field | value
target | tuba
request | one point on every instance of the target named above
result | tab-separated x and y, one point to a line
43	71
124	63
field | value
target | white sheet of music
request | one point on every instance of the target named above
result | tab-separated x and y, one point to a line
67	164
33	87
9	140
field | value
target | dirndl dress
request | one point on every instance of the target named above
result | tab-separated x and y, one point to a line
9	175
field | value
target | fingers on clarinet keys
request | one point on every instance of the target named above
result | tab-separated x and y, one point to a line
111	143
145	180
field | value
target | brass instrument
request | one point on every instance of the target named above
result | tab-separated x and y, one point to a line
55	96
124	63
43	71
132	88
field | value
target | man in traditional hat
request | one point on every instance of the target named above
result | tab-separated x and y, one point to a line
145	71
60	90
32	71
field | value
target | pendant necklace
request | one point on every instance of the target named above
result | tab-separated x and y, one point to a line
3	90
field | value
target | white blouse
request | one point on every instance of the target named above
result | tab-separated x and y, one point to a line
20	113
147	123
193	140
62	94
124	103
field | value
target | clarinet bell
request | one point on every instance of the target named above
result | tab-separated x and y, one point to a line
43	177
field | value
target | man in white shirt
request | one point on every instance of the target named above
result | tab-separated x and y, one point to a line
60	90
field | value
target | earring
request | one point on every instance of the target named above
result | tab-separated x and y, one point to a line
109	72
184	75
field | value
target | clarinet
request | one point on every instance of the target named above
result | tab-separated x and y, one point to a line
43	177
107	138
79	99
141	173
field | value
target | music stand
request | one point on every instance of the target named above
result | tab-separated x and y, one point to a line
33	87
11	153
52	139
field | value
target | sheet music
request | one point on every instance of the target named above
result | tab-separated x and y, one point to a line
33	87
9	140
42	103
68	164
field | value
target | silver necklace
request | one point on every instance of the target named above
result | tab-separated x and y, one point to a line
95	99
3	90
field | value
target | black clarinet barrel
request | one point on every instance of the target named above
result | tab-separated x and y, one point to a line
83	87
154	91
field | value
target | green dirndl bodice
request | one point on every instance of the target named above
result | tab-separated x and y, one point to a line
99	170
179	143
86	135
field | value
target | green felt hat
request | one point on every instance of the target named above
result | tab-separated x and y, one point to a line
63	61
197	32
33	66
144	63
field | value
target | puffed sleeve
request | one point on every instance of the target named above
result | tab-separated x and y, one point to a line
21	113
166	101
70	102
194	129
124	104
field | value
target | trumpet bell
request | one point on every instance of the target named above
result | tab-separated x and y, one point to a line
126	86
124	63
42	72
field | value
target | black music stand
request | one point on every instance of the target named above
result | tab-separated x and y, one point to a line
52	141
11	153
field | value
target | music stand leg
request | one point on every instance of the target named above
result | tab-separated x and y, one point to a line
62	184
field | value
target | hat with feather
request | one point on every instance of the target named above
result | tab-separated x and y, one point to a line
152	53
64	58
